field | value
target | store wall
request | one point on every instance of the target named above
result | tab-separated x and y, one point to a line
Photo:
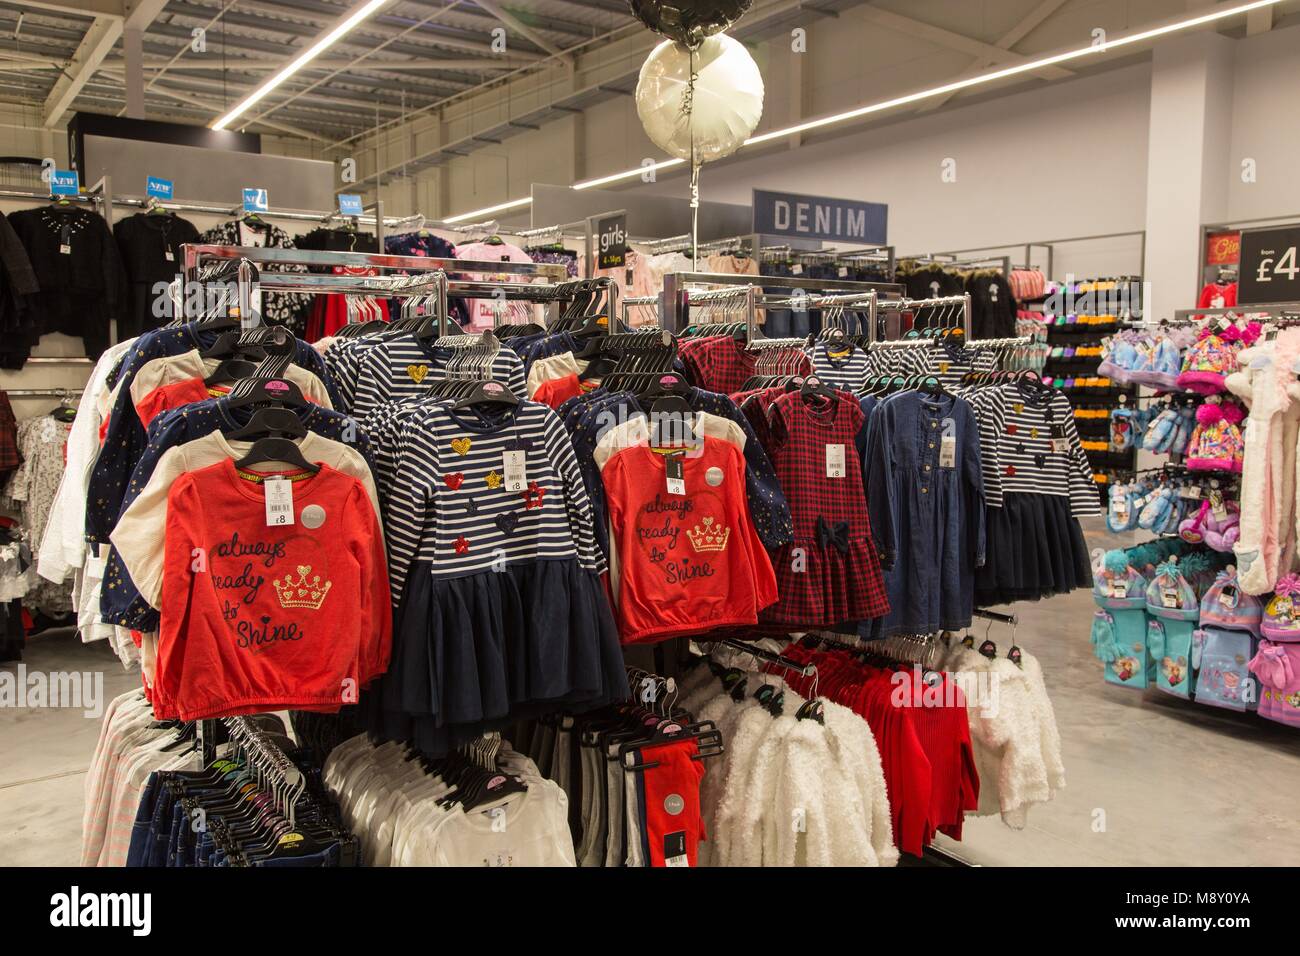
1061	161
1264	127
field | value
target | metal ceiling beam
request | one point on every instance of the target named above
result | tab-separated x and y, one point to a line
390	42
340	99
1031	22
1259	21
209	105
523	29
79	8
470	63
99	39
245	15
954	41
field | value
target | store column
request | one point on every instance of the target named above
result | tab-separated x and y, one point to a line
1188	162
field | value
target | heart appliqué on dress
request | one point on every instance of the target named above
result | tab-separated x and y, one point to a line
303	570
508	522
417	372
461	446
454	480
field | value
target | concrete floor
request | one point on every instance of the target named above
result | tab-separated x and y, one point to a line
44	754
1176	783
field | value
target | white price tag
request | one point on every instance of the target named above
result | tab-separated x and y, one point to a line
797	269
65	249
169	256
676	475
515	465
1217	506
279	501
1119	588
835	461
1060	446
844	271
948	451
1169	597
677	861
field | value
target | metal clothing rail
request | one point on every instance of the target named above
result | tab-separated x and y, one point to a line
43	392
1267	308
195	254
676	299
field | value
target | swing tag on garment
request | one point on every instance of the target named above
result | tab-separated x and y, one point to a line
169	256
65	240
675	848
835	460
1118	588
515	466
1190	492
844	271
279	501
1228	597
676	475
1217	507
948	451
797	268
1169	597
1059	444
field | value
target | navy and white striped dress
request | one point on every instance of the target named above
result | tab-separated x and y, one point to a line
847	371
405	366
498	600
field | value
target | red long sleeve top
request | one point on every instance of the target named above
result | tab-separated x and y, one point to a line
686	563
257	617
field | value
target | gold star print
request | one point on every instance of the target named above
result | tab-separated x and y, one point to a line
493	480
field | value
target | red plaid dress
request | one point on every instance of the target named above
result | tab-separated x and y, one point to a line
830	573
721	364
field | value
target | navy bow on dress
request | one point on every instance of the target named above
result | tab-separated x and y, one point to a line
836	534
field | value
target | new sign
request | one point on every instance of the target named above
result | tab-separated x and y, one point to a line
349	204
819	217
158	188
64	182
255	200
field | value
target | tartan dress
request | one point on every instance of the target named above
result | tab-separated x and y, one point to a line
830	573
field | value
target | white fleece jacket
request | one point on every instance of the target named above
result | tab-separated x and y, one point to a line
1011	730
1266	545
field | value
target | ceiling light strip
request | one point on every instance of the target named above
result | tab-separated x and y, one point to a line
1028	66
313	51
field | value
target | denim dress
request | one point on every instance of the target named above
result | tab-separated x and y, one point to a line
927	515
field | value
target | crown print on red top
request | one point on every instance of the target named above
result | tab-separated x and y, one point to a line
709	537
302	593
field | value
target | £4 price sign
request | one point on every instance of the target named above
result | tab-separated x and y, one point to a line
1270	269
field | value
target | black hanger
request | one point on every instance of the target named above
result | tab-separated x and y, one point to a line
276	449
488	393
814	387
281	422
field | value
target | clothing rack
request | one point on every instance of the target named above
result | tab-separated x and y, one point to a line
770	657
194	254
949	261
676	293
1273	309
43	392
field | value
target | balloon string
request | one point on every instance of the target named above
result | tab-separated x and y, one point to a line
689	104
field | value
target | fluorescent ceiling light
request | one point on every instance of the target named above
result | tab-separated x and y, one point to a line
488	210
1028	66
315	50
